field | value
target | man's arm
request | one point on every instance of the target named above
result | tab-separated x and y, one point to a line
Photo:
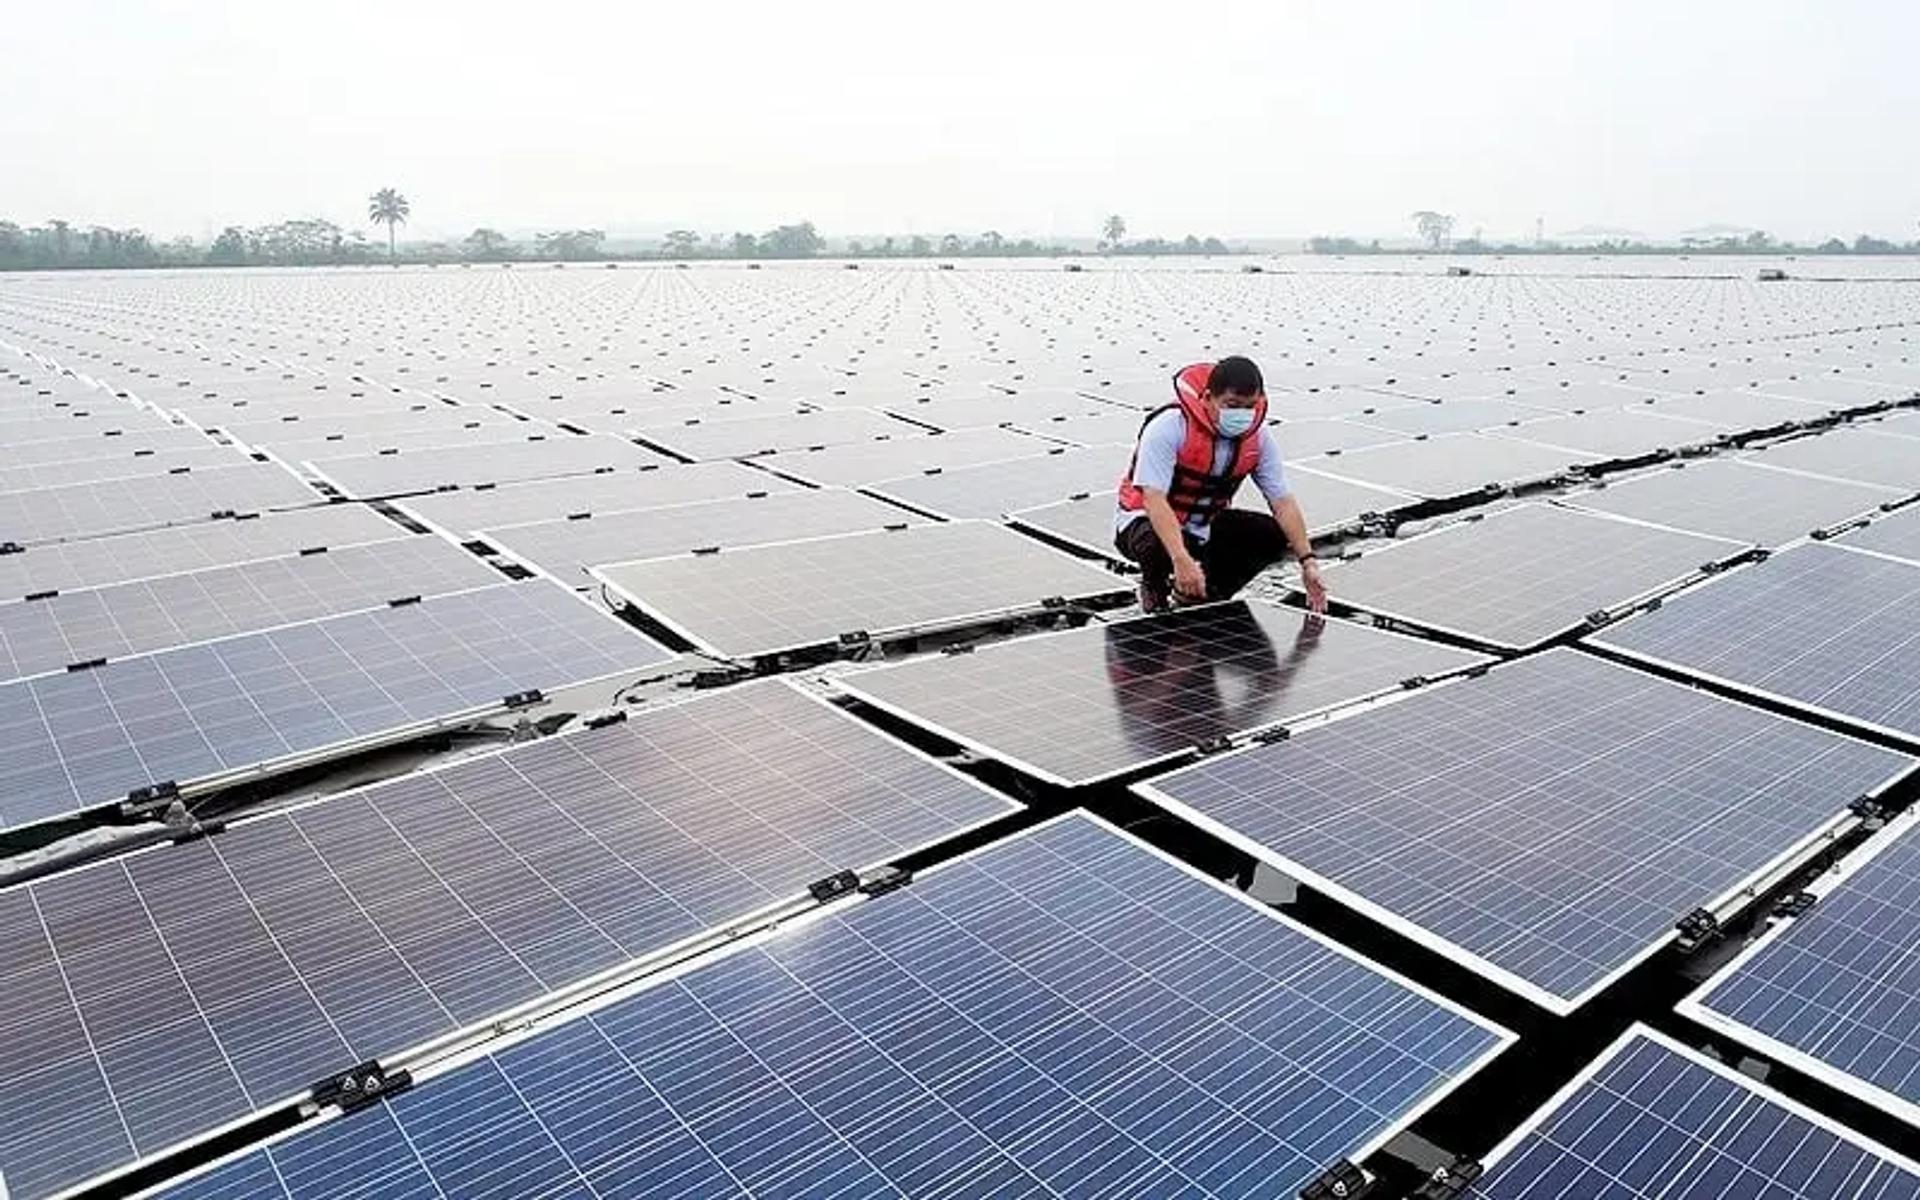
1293	523
1188	579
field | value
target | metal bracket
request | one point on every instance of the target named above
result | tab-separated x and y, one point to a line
1449	1182
834	886
1341	1181
855	637
1218	744
1869	811
884	880
88	665
357	1087
403	601
526	699
154	793
1696	929
1796	905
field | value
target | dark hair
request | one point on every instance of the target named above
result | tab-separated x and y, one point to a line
1236	376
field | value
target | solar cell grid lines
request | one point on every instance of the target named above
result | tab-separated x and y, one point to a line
1832	629
992	489
763	600
1546	824
856	464
1049	1016
1079	706
469	510
748	436
181	987
371	476
1454	464
111	506
1897	534
1522	576
1735	499
77	740
566	548
1653	1119
1863	455
1832	991
122	619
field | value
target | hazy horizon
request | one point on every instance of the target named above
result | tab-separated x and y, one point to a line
1272	121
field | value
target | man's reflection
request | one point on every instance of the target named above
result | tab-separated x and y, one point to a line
1197	673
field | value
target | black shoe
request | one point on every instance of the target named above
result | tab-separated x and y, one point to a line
1153	600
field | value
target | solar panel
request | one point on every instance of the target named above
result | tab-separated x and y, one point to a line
1734	499
113	506
995	488
868	462
1087	704
129	467
1897	534
299	943
1000	408
295	450
1617	432
56	632
739	438
145	440
371	476
1304	437
1453	464
566	548
470	510
1546	824
81	739
1835	630
92	562
763	600
1652	1120
1742	410
1862	455
1832	991
1065	1013
1452	416
1521	576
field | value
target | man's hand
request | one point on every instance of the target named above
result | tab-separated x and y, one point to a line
1316	587
1189	581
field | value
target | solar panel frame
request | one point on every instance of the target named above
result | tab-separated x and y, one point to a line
1565	1000
123	557
848	921
1455	554
1032	683
688	610
1852	453
1896	535
1733	498
1874	996
1816	620
465	511
173	699
566	549
92	509
254	880
1642	1046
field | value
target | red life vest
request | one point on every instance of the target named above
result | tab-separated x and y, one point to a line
1195	490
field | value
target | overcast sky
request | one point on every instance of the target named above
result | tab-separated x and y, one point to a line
1254	119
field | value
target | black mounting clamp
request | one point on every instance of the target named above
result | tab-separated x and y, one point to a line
1796	905
834	886
1341	1181
357	1087
1696	929
885	879
1449	1182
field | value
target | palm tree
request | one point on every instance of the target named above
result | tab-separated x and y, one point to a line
1113	230
387	207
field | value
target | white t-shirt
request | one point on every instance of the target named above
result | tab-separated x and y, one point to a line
1160	445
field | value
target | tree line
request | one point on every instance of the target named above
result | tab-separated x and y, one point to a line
1436	230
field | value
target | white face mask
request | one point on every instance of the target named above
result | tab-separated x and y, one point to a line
1234	422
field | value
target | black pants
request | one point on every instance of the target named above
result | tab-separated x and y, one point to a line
1240	545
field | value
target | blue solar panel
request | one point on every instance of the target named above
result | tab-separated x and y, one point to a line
1066	1013
78	739
1836	992
1655	1122
1550	821
1836	630
145	1000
